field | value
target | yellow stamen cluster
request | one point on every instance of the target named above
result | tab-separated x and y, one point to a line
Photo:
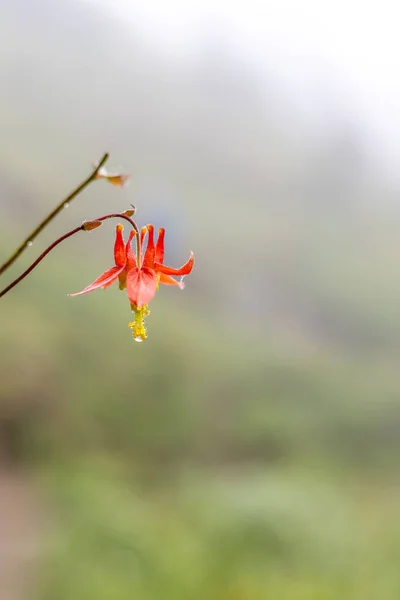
139	332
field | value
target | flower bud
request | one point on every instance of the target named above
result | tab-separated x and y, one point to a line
117	179
130	212
89	225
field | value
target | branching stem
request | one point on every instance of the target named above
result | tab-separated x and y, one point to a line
50	217
65	237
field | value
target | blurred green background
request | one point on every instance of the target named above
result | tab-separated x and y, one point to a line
248	450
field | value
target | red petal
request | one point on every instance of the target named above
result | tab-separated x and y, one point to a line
119	247
130	256
184	270
159	254
141	285
148	260
104	280
143	232
168	280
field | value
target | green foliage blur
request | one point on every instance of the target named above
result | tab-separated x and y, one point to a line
248	449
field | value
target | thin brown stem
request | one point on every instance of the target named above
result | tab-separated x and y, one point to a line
38	260
62	239
51	216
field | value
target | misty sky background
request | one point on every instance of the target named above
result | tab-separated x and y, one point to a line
338	59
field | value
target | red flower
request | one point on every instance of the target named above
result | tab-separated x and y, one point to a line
140	274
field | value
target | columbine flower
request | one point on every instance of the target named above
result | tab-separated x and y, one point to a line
140	274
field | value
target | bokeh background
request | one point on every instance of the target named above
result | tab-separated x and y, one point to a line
249	449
